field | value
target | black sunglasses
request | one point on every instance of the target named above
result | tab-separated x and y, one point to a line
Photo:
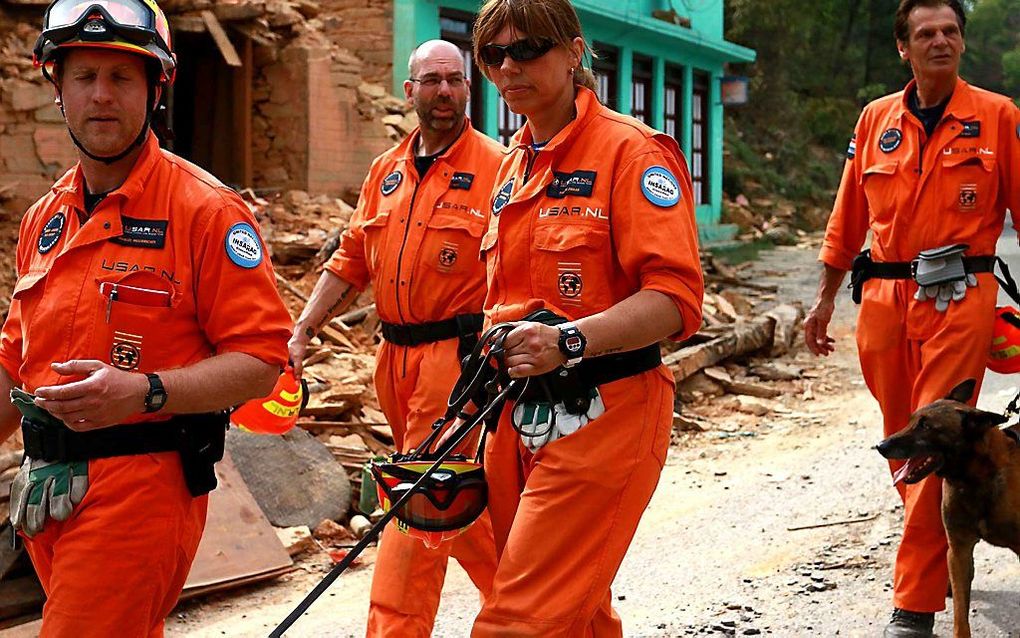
521	51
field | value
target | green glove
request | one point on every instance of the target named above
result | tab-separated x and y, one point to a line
43	489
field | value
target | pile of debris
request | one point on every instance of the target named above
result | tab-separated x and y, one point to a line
781	222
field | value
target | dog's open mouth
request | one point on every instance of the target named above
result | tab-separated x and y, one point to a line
915	469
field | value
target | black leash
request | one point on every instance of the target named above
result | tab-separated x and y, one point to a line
477	373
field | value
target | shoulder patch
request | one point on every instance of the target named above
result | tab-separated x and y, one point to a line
243	245
890	140
391	182
51	232
851	151
660	187
503	196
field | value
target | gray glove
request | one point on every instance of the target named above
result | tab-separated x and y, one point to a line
42	490
942	294
540	423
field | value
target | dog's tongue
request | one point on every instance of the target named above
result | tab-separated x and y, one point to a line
902	473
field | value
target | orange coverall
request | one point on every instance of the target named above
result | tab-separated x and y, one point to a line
916	193
574	229
118	564
417	241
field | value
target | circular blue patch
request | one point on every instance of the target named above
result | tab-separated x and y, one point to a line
243	245
390	182
51	232
660	187
502	197
890	140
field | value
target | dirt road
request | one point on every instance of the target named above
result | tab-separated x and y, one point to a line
715	553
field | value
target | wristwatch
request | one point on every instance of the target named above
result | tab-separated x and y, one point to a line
155	398
572	344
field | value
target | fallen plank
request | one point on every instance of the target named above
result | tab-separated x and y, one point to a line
744	338
239	545
221	38
733	281
290	287
188	24
337	337
327	410
751	389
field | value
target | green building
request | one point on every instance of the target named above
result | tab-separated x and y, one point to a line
666	71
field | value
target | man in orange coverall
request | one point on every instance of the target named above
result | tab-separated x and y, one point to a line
933	166
415	236
128	326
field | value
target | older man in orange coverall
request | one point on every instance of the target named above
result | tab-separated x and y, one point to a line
934	165
415	236
127	324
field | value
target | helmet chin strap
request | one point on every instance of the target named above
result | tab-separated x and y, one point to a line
142	134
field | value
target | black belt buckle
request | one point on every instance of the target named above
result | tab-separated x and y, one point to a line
44	442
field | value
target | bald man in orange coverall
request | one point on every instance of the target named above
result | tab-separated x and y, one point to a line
933	165
145	305
415	237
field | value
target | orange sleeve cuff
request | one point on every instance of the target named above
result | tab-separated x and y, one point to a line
269	348
687	300
835	257
354	274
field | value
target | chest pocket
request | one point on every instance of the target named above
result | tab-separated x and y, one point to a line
571	264
968	183
375	240
880	188
452	242
136	325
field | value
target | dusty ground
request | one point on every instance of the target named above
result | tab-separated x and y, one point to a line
715	553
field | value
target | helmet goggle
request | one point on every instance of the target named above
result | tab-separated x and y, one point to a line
133	25
450	500
1004	355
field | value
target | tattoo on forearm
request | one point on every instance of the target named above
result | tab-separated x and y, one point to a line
332	310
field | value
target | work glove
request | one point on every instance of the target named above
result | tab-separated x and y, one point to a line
942	294
541	422
43	489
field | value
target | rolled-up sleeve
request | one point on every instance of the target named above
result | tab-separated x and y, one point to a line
655	237
848	224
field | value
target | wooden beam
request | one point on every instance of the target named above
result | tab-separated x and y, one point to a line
221	38
243	103
187	24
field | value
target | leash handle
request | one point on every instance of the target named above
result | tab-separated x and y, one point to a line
1007	282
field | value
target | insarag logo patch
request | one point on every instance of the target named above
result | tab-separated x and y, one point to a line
51	232
390	182
660	187
243	245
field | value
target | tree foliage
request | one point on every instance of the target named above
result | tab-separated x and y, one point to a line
819	63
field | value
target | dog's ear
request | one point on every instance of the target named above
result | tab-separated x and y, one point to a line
962	392
979	419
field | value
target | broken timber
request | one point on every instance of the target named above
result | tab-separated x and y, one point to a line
744	338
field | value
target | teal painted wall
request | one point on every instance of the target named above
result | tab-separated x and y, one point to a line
630	27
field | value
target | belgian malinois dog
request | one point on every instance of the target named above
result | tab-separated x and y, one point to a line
980	465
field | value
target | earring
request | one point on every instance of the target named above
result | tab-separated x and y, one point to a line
571	70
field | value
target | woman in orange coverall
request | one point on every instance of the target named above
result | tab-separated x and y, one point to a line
592	219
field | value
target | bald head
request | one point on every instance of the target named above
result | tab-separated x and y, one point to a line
434	51
437	86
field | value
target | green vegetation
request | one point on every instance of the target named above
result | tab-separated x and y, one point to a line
818	64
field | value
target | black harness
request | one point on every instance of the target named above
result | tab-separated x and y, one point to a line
198	438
